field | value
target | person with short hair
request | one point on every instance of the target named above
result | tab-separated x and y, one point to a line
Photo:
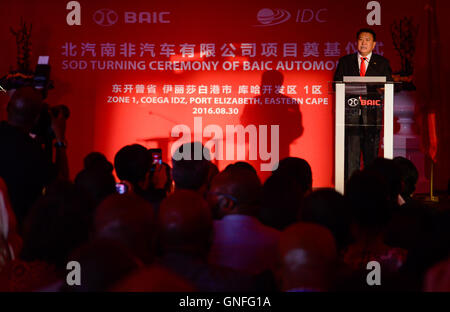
411	220
24	165
128	219
133	166
96	179
241	241
363	130
327	207
192	167
185	231
409	176
284	191
369	198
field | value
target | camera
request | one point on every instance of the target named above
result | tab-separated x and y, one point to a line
156	157
43	131
43	127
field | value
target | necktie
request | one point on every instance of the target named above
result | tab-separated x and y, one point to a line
362	70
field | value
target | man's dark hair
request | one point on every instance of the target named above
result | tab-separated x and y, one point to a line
387	169
409	175
241	164
97	161
24	107
283	192
327	208
97	184
132	163
367	197
366	30
190	174
296	168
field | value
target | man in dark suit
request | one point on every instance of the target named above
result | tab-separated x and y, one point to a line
363	121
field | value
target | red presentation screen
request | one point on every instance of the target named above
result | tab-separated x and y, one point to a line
249	79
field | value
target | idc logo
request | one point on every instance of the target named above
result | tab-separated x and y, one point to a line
105	17
268	17
353	102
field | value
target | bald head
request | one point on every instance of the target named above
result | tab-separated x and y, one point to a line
185	222
307	253
24	107
128	209
241	185
127	219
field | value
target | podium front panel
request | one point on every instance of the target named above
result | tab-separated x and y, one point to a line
364	114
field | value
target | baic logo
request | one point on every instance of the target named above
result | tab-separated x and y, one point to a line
108	17
353	102
371	102
105	17
267	17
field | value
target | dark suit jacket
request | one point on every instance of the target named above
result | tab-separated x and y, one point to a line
24	167
348	66
378	66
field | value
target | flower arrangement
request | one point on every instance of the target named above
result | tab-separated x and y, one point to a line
23	75
404	33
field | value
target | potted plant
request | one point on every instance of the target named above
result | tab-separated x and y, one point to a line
23	75
404	33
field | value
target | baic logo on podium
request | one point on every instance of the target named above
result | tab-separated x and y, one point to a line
353	102
370	102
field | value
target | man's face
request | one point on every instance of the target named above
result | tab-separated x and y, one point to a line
365	43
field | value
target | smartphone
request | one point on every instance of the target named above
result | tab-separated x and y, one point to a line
156	155
121	188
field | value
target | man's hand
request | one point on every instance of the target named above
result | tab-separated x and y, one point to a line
59	126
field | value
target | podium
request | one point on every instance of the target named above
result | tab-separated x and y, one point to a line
357	96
